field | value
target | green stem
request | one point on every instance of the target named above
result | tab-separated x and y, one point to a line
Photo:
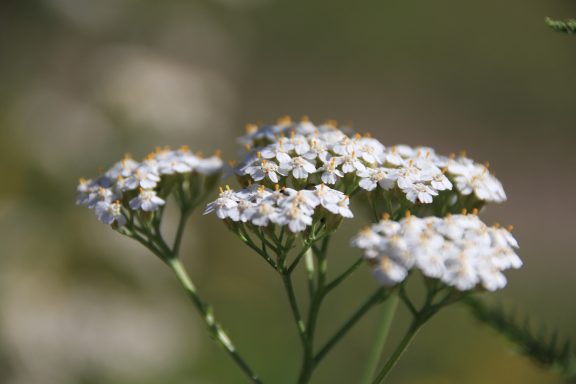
216	331
294	264
420	318
334	283
400	349
287	280
248	241
374	299
180	232
388	311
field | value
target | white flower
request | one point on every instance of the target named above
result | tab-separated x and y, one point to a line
305	127
109	213
174	165
100	194
254	193
264	213
83	191
300	144
475	178
461	270
262	168
146	201
372	177
143	177
370	150
330	135
224	205
305	199
350	163
368	240
388	272
331	173
209	166
296	218
440	182
279	150
317	150
340	208
242	211
299	166
123	168
419	192
326	196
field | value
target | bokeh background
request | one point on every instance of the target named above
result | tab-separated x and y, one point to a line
83	81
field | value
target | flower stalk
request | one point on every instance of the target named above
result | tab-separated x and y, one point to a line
388	311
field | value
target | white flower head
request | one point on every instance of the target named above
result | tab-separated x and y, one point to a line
285	206
471	177
459	250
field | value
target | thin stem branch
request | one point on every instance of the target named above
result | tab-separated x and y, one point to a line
407	301
374	299
180	232
334	283
393	359
317	296
298	258
388	311
421	316
287	280
248	241
214	328
152	239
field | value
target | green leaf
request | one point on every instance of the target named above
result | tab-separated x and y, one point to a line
568	26
544	348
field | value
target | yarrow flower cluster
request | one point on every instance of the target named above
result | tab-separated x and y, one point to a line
459	250
302	154
130	186
296	182
261	207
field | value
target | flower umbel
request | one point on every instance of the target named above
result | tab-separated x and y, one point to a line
459	250
129	188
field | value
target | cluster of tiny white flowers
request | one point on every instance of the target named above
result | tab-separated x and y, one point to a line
134	185
471	177
459	250
422	165
260	206
307	154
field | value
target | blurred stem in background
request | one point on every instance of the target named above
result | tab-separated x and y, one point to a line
388	311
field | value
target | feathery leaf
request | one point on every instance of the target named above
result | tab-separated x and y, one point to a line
543	348
568	26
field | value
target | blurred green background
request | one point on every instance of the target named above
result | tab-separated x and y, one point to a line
83	81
